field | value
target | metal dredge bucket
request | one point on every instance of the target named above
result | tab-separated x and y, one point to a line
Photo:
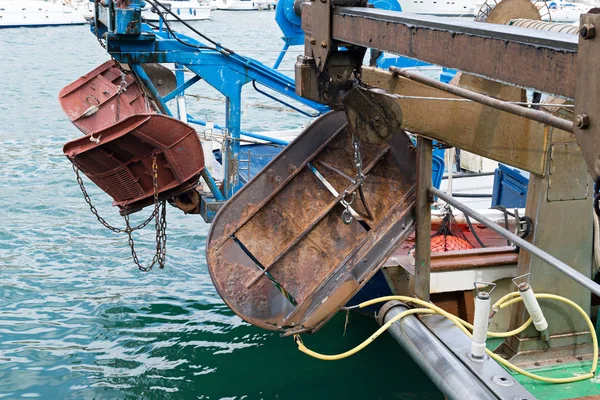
91	102
279	253
120	159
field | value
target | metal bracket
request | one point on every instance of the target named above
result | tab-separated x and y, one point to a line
479	286
587	98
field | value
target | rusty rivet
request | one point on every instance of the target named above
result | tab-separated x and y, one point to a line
587	31
324	44
582	121
313	40
376	120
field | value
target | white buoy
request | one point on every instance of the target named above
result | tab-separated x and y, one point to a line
533	308
481	320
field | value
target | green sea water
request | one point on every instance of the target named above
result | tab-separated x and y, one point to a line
79	321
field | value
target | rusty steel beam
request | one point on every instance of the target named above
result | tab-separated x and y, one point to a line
544	61
423	218
539	116
470	126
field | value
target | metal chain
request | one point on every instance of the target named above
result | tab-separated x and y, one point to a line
103	45
347	216
161	228
159	215
120	89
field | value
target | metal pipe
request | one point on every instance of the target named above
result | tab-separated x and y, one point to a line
469	175
473	195
451	376
551	260
539	116
214	188
423	219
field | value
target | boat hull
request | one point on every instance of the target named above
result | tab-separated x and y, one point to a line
186	11
32	14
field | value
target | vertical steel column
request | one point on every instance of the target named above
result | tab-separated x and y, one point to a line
423	217
232	149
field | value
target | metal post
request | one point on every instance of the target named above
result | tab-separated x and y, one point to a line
423	218
522	243
232	144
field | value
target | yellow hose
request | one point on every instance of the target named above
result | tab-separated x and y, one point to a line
430	308
364	344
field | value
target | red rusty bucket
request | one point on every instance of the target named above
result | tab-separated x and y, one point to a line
119	159
93	102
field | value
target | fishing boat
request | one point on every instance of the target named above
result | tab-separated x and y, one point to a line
186	10
236	5
34	13
349	215
85	8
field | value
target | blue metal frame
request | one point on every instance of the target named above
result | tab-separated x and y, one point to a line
131	41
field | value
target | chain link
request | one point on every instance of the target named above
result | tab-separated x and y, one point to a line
359	179
159	215
120	89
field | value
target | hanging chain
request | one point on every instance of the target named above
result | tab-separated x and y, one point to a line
159	215
347	216
161	228
120	89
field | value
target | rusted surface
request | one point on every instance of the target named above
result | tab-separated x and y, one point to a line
546	62
587	102
473	258
91	102
288	222
120	159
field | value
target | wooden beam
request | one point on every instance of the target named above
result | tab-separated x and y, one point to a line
470	126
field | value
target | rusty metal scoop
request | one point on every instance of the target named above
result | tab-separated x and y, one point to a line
283	253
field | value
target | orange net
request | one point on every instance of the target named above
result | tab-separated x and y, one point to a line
443	243
449	237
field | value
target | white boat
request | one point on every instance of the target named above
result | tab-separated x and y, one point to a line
187	10
565	11
34	13
236	5
440	8
85	8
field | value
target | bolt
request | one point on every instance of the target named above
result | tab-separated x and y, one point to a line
313	40
376	121
582	121
159	82
587	31
324	44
